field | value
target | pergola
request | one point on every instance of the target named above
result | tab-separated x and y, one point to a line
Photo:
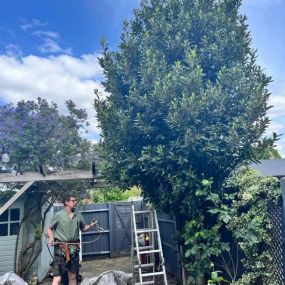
29	178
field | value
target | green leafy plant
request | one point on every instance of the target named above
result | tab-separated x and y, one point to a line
251	223
97	196
215	278
113	194
131	192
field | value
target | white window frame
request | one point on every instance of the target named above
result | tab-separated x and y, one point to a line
9	222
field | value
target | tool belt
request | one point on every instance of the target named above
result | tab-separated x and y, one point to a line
67	250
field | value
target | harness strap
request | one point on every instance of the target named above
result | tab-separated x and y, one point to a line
68	249
65	248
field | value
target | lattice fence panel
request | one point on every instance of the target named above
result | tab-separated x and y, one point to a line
277	247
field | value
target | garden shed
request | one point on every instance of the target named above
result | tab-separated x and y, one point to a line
11	216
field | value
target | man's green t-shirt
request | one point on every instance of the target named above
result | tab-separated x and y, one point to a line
65	228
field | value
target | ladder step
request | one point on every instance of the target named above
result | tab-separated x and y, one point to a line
142	212
144	265
152	274
138	231
149	251
144	247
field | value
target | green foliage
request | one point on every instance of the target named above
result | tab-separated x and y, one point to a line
97	196
131	192
186	99
215	278
35	133
38	232
187	105
251	224
6	193
241	211
266	148
115	194
106	195
202	234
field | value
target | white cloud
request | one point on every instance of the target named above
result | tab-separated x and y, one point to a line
30	25
55	78
13	50
62	77
49	34
50	41
51	46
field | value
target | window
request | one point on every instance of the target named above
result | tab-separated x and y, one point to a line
10	222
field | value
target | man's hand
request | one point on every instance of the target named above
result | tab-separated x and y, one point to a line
50	241
50	236
93	224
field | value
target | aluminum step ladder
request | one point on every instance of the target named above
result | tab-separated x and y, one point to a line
146	248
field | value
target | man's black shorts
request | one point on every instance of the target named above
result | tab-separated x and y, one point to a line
60	266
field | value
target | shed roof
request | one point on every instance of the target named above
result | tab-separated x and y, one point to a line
271	167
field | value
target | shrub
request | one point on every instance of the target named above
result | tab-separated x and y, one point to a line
97	196
113	194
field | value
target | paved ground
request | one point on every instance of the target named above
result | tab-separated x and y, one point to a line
94	268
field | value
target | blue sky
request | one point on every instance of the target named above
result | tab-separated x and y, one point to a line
49	49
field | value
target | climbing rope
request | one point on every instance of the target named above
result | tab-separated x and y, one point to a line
99	229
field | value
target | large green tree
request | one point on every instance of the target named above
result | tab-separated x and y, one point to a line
187	105
187	100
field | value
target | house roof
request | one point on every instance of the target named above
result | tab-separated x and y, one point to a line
271	167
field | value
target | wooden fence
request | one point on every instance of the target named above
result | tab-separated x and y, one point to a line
115	239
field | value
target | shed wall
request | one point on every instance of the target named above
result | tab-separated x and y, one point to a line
8	244
42	264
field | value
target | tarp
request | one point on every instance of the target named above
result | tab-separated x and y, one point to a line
10	278
112	277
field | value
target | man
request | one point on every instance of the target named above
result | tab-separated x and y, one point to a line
63	234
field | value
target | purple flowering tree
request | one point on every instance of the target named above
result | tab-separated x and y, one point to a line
35	133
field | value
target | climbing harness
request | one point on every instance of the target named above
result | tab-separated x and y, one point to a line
64	246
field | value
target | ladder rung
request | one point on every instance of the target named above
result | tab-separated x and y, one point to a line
149	251
144	265
144	247
152	274
143	212
146	231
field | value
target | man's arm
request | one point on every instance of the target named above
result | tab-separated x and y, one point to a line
90	226
50	234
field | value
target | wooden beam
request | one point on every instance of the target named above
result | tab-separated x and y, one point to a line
15	197
30	177
35	176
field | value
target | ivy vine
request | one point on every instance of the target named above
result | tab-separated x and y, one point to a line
232	229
